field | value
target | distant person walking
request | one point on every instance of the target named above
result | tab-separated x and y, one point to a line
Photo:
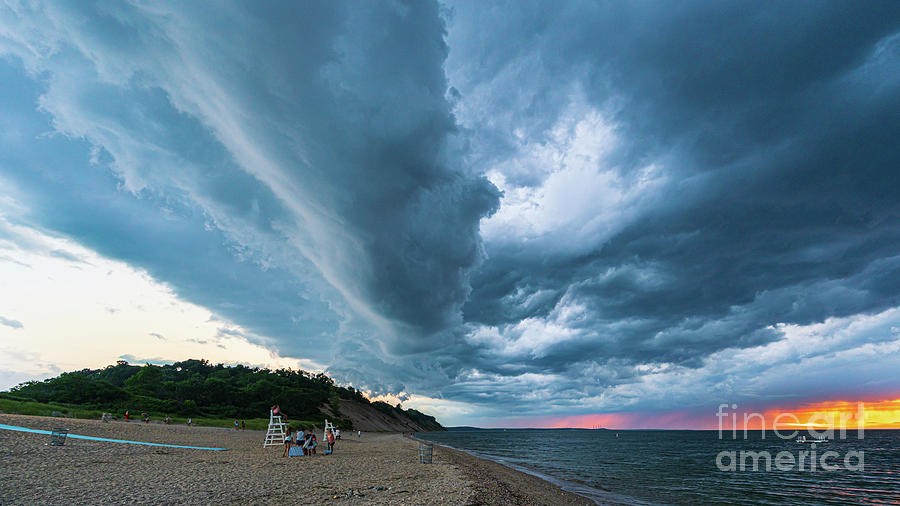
243	425
189	421
127	415
358	434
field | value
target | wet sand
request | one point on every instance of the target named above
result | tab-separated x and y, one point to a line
378	468
495	483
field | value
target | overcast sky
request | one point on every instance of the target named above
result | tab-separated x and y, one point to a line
501	213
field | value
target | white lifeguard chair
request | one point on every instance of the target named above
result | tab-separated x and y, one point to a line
276	433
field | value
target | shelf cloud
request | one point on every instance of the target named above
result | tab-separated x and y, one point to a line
522	207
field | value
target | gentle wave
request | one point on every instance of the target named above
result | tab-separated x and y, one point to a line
679	467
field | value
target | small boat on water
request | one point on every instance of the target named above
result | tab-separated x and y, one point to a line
802	439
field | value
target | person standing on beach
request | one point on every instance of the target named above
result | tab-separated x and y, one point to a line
305	442
237	426
330	437
243	425
189	421
287	443
358	434
127	415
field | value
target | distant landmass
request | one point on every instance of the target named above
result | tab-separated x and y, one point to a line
200	389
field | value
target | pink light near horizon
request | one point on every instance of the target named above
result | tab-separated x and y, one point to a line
879	413
680	419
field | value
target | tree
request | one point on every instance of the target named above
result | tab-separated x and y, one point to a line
146	381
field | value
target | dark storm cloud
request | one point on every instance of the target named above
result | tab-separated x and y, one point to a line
775	128
165	234
683	183
285	166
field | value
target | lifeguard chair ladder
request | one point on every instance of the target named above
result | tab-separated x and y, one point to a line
276	431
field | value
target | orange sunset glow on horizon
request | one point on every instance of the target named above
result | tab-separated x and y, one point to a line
882	414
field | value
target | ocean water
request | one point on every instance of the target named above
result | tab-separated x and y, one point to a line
680	467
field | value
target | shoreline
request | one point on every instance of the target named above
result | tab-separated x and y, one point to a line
510	485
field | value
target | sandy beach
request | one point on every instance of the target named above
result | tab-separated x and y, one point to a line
377	468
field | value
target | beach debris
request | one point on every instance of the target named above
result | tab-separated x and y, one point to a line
350	493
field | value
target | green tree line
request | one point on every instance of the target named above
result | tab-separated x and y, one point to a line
199	388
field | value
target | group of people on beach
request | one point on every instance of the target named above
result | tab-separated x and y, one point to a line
307	441
145	416
166	419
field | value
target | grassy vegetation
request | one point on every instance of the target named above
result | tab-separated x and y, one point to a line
425	421
21	407
12	405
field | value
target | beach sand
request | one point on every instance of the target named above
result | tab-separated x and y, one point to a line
378	468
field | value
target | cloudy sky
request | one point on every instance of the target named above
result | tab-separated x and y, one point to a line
507	214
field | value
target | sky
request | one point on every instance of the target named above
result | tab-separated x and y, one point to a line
500	213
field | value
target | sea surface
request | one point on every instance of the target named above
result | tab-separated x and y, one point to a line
680	467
